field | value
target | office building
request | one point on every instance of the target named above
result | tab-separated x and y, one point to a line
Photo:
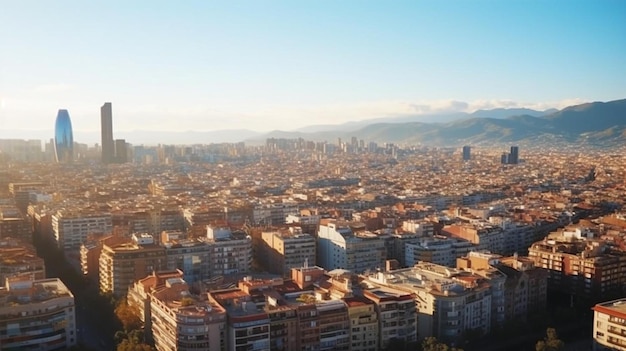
609	325
121	151
514	155
467	153
63	138
106	130
36	315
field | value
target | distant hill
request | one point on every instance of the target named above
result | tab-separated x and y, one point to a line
597	123
426	118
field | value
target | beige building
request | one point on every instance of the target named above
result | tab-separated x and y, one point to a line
580	265
363	324
287	249
36	315
397	314
181	321
609	325
122	264
248	326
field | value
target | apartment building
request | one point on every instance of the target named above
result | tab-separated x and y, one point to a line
123	263
232	251
334	325
485	236
341	247
248	327
448	301
518	288
182	321
283	250
13	224
284	334
273	214
18	258
364	328
609	325
72	228
307	220
580	265
139	293
437	249
36	314
397	314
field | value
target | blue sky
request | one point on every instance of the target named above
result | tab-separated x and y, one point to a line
264	65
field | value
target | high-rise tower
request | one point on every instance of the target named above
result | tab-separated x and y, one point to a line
514	156
106	129
467	153
63	138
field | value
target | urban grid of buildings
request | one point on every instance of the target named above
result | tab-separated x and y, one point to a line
302	245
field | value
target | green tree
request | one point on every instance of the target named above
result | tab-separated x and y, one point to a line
432	344
551	342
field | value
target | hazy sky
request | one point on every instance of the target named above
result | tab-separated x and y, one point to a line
263	65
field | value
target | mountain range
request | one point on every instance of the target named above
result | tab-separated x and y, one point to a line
600	124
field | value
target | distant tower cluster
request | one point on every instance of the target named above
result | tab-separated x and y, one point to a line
511	158
113	151
467	153
63	138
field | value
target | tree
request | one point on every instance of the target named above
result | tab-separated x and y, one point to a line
128	315
432	344
551	342
132	345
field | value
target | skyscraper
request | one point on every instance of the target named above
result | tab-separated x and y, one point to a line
106	129
514	156
63	138
467	153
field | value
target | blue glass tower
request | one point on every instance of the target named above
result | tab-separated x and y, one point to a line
63	138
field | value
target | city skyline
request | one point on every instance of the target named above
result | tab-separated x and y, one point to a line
281	65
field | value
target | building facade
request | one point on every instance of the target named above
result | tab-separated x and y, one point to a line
37	315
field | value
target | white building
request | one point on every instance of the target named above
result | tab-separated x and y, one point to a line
609	325
340	247
71	229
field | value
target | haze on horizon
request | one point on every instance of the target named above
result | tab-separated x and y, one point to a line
284	64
